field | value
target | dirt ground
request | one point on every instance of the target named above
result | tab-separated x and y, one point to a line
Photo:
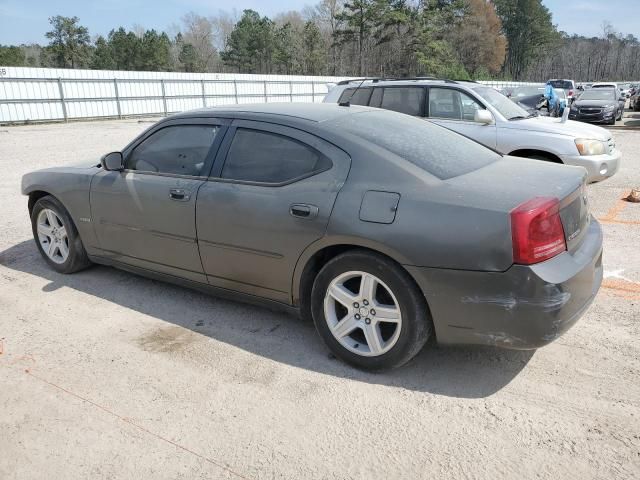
104	374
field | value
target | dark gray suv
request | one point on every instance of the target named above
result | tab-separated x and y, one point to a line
385	229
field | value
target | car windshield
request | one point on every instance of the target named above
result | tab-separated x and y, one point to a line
598	94
439	151
565	84
527	91
502	104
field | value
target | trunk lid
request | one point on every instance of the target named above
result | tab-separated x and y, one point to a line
507	183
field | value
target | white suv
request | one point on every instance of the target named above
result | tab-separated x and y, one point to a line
485	115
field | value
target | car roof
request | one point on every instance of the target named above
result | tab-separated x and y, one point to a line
313	112
408	81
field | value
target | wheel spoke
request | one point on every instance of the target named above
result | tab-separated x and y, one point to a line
64	249
345	326
341	294
44	229
368	286
373	337
51	217
62	232
52	249
387	313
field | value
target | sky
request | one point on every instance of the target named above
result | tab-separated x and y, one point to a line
26	21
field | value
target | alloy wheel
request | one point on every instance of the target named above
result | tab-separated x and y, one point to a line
362	313
52	235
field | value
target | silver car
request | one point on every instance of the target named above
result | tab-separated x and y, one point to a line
385	229
487	116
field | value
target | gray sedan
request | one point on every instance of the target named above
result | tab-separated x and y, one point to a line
384	229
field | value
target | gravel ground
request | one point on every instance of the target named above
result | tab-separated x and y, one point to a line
108	375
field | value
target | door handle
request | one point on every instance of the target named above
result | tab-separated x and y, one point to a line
179	195
302	210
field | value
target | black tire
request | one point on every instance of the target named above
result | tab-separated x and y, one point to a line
417	325
612	121
77	259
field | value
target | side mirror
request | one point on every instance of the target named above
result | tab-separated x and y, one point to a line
483	116
113	162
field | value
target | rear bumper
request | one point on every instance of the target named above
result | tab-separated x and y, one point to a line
525	307
599	167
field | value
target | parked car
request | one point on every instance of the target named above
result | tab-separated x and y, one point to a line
598	105
485	115
385	229
634	101
569	87
528	97
622	98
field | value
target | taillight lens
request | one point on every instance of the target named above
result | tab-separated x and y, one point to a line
536	230
570	92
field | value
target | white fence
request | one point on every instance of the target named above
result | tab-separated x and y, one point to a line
44	94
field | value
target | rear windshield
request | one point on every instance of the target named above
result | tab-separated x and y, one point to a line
439	151
359	96
565	84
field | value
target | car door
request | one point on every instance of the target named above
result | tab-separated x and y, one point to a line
270	196
455	110
145	215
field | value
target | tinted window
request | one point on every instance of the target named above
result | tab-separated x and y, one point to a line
179	150
565	84
407	100
435	149
452	104
359	96
376	97
599	94
257	156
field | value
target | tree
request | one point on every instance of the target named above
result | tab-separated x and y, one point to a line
478	38
125	47
199	32
189	58
251	43
11	56
529	31
358	17
155	51
69	42
102	58
313	48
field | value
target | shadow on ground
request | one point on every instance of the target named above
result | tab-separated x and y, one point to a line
467	372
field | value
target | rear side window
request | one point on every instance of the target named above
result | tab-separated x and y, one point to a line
407	100
265	157
359	96
439	151
177	150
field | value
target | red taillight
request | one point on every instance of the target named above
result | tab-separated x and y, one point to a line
536	230
570	92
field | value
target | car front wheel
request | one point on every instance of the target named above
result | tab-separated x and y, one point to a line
56	236
369	311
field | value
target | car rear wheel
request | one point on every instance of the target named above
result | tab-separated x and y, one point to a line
369	311
56	236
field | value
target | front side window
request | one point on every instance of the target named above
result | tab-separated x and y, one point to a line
264	157
452	104
177	150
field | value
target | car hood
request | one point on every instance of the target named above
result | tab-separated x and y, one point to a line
594	103
554	125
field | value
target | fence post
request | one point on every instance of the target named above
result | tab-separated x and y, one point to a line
265	90
313	92
115	86
64	106
164	98
290	91
235	90
204	100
